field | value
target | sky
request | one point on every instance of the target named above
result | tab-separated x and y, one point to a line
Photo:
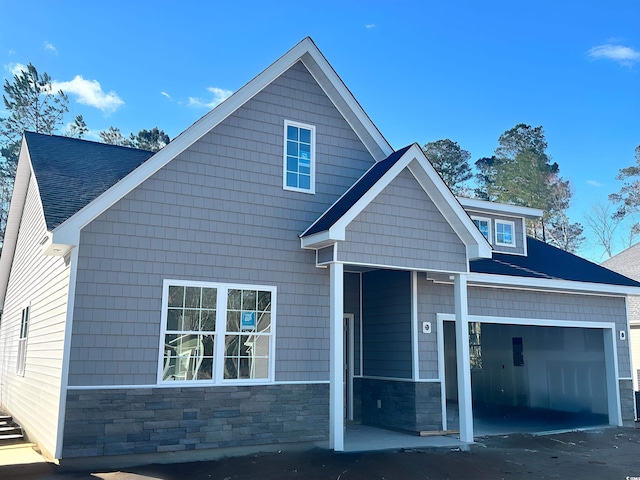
422	70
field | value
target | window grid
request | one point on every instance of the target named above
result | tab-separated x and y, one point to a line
299	157
190	333
235	348
505	233
483	225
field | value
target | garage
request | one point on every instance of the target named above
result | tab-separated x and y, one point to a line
528	377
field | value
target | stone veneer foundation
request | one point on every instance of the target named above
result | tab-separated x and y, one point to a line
154	420
411	406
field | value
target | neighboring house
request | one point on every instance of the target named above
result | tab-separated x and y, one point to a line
210	295
627	263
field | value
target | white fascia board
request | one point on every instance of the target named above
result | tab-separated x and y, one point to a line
205	124
344	94
551	284
320	240
448	205
500	208
16	209
339	227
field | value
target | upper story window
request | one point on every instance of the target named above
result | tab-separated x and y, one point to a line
217	333
299	157
483	226
505	233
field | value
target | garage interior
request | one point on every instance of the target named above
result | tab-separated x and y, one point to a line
528	378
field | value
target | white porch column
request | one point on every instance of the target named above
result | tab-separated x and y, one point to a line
336	360
465	411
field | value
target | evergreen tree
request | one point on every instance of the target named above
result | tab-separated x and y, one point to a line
451	162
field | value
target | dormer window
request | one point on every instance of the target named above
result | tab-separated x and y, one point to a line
505	233
299	157
483	225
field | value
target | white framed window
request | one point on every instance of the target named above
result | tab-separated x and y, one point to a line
505	233
216	333
484	225
22	342
299	157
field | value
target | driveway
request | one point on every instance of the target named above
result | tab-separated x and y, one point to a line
606	453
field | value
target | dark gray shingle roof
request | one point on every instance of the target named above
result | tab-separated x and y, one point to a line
72	172
545	261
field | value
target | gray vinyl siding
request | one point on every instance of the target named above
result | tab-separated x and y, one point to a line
386	325
519	249
555	306
634	342
217	213
402	228
34	399
511	303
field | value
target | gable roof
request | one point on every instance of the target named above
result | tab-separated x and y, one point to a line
305	52
330	226
71	173
546	262
351	196
626	262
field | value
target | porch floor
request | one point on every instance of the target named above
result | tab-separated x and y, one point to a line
486	422
363	438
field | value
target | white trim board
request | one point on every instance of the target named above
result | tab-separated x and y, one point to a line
556	285
191	385
414	160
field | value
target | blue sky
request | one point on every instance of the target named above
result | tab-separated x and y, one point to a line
422	70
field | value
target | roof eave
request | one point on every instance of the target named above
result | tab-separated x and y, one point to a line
321	239
16	208
490	279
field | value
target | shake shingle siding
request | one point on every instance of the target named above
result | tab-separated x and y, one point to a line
402	228
216	213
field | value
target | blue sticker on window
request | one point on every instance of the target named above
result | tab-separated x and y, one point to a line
248	320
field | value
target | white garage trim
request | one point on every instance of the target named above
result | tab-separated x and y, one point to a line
610	351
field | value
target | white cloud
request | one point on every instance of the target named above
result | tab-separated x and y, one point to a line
89	92
618	53
219	96
15	68
50	46
166	95
595	183
370	25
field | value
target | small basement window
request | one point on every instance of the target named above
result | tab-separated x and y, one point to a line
299	157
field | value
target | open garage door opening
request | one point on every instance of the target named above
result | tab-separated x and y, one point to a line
528	378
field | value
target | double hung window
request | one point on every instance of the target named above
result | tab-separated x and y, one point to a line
505	233
483	226
217	333
299	157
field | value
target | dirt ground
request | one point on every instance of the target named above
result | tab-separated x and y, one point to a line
608	453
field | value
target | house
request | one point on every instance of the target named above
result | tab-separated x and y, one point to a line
627	263
278	270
